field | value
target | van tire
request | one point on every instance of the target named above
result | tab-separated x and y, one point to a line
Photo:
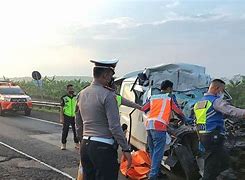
187	162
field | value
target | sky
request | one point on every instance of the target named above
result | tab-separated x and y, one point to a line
58	37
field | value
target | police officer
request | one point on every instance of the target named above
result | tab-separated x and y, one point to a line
120	101
209	113
101	126
67	115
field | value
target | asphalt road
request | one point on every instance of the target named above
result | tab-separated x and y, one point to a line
40	140
30	148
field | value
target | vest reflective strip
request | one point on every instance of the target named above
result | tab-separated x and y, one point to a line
203	132
164	102
211	112
210	115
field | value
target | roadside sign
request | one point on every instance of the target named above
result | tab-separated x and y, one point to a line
36	75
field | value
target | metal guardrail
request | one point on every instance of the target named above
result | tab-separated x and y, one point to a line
46	104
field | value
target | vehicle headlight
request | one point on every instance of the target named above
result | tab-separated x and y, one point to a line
7	99
28	99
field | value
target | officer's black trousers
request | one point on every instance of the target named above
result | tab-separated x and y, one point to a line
99	161
67	122
217	158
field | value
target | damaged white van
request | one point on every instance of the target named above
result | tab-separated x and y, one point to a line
190	83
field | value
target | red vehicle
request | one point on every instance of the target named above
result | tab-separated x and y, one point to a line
13	98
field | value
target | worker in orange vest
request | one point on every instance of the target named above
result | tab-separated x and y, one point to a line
159	108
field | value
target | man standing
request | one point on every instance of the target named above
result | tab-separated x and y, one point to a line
160	107
101	126
67	115
210	125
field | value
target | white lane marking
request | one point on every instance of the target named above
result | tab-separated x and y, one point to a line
37	119
43	163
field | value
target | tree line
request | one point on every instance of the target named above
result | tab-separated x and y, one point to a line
53	89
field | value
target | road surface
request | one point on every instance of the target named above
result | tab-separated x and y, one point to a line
30	148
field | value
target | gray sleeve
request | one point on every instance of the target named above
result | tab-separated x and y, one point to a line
227	109
131	104
79	125
112	114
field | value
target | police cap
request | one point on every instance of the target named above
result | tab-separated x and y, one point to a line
105	63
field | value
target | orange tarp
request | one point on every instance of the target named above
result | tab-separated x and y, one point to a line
141	164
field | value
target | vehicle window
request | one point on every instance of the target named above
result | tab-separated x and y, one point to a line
118	88
127	93
155	91
11	91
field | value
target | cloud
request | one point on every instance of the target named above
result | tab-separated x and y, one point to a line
198	17
119	23
172	4
122	22
108	37
124	28
243	16
110	29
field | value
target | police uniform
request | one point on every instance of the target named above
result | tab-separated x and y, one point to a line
101	128
68	104
210	125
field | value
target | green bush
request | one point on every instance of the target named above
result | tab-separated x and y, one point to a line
237	91
51	90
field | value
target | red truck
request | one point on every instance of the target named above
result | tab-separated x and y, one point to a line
13	98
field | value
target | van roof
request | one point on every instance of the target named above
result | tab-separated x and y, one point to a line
163	67
184	76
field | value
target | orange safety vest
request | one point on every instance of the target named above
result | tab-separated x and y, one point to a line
160	108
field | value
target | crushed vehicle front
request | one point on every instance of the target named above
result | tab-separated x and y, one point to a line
190	83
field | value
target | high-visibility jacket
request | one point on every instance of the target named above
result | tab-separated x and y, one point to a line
207	118
69	105
119	100
159	108
159	112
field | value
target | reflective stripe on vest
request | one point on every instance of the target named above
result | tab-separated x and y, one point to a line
70	106
119	100
160	108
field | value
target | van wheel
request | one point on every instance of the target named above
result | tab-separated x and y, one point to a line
187	163
27	112
2	113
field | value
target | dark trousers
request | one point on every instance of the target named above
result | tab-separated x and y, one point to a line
67	122
217	158
99	161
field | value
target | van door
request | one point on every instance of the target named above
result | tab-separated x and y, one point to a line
138	133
